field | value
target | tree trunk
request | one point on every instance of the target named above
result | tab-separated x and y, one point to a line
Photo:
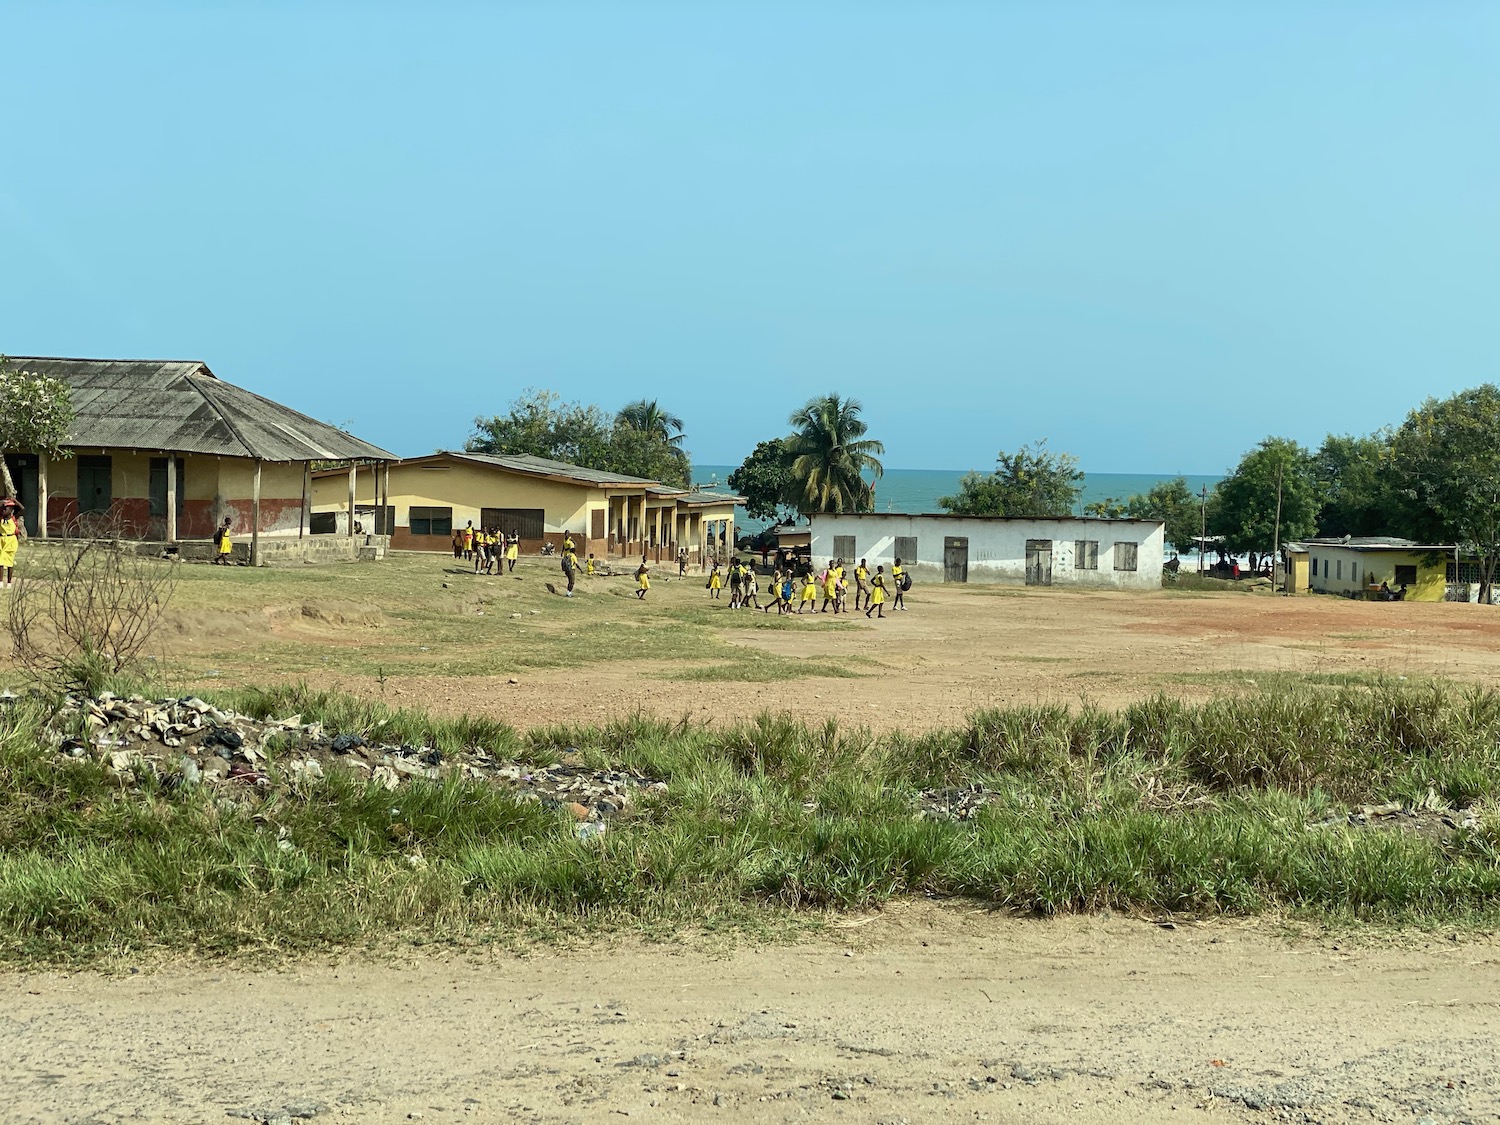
10	485
1486	577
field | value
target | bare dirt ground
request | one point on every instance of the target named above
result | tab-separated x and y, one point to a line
958	649
922	1013
918	1014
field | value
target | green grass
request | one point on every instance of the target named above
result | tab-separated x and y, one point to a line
1161	806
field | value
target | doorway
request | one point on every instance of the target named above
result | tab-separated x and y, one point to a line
956	558
1038	562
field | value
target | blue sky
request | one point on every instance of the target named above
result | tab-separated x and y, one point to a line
1152	233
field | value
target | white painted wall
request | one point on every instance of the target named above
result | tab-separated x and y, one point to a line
997	546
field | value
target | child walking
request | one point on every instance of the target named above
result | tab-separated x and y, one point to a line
715	582
877	593
642	580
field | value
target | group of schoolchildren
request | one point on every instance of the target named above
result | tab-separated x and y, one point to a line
491	550
794	592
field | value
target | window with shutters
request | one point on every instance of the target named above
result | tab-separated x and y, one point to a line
431	521
1086	554
528	523
843	547
906	549
1125	556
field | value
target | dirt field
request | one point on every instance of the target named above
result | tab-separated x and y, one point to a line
921	1013
918	1014
956	649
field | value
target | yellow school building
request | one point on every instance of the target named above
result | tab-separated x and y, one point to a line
423	500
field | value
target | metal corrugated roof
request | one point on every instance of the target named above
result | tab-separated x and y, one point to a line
543	466
710	498
181	405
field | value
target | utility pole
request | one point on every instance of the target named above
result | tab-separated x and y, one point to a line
1202	526
1276	536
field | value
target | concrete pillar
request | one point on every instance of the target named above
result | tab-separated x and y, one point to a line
353	469
172	496
41	496
255	518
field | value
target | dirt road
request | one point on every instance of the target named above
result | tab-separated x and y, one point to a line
922	1013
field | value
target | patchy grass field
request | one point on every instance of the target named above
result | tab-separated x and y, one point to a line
418	630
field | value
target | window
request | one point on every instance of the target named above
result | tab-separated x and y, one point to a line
1466	572
843	547
906	548
1125	555
1086	554
1406	576
431	521
94	486
528	523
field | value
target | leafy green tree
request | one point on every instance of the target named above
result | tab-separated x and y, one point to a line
1244	508
36	416
1110	508
1172	502
764	479
1032	481
649	418
641	441
540	424
831	458
1361	495
637	453
1447	460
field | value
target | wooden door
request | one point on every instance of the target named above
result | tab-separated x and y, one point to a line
956	558
1038	562
596	525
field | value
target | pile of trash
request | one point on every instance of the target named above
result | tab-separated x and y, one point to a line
190	742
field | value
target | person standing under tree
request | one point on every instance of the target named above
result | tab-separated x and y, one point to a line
224	547
11	533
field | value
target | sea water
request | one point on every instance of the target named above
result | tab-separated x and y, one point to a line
916	491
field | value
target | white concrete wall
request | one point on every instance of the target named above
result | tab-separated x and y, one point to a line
997	546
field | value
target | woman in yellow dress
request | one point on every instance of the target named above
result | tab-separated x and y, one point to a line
10	538
877	593
642	580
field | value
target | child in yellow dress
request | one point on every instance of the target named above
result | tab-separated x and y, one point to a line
715	582
10	538
809	593
877	593
642	581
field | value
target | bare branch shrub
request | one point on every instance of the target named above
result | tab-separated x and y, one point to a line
85	607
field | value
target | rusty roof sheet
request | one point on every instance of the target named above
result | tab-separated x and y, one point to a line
182	406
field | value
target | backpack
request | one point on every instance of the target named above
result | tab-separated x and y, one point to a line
905	582
218	536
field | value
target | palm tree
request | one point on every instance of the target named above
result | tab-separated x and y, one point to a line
830	457
649	418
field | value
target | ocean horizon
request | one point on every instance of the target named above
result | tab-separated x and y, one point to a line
916	491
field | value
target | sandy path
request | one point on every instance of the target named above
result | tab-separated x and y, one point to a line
923	1014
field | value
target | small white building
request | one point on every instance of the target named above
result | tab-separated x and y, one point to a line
1066	551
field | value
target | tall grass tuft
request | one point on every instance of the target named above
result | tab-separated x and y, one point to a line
1229	806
